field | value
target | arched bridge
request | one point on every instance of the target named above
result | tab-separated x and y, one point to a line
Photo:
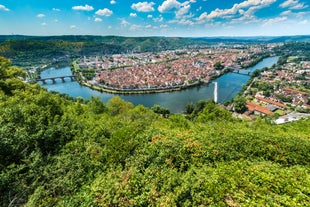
72	77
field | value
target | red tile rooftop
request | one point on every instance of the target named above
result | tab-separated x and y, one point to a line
254	107
271	102
294	91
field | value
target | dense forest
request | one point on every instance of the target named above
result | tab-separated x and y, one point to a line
59	151
40	50
27	51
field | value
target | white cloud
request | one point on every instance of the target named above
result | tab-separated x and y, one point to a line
72	26
270	22
186	22
288	12
163	26
158	19
148	26
112	2
133	14
169	5
143	6
246	8
303	22
180	9
124	23
55	9
104	12
83	8
3	8
56	20
41	15
98	19
184	9
293	4
150	16
43	24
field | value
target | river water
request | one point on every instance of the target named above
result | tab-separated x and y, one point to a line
228	86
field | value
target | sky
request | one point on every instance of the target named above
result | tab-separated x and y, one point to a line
190	18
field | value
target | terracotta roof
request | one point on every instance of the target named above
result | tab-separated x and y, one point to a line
254	107
271	102
294	91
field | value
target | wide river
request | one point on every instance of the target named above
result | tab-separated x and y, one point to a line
228	86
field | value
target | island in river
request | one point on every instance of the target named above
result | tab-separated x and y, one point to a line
162	72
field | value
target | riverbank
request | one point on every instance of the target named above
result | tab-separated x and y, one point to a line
103	88
139	91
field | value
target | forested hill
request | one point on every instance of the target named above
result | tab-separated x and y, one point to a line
34	50
26	51
55	151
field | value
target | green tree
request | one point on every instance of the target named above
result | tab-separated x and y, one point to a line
218	65
240	104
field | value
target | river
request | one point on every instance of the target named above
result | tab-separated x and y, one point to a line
228	86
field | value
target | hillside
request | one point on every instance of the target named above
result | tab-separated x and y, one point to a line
27	51
56	151
40	50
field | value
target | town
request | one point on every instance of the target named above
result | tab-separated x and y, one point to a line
280	91
169	69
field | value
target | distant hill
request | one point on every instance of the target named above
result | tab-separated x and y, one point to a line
253	39
33	50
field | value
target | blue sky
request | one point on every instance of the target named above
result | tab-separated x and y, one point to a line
188	18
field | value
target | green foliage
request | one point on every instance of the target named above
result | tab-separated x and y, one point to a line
240	104
218	65
60	152
160	110
284	98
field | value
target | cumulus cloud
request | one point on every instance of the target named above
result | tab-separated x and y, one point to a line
180	9
83	8
143	6
246	8
3	8
112	2
186	22
293	4
41	15
72	26
104	12
56	9
169	5
184	9
150	16
124	23
43	24
133	14
270	22
158	19
97	19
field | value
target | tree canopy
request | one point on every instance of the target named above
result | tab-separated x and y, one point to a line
59	151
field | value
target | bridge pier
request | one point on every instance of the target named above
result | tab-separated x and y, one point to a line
72	77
